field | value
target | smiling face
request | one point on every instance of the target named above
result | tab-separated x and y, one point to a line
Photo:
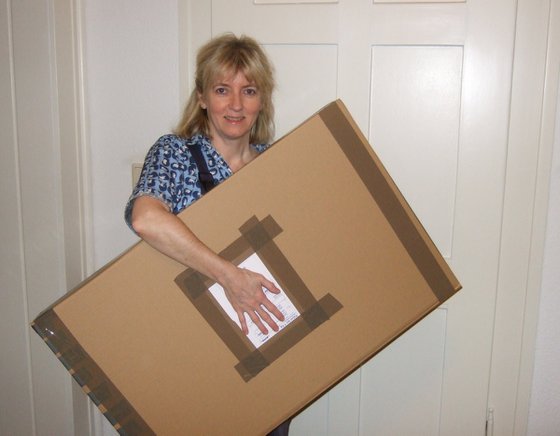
233	105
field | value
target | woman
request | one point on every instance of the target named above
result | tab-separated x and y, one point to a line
227	122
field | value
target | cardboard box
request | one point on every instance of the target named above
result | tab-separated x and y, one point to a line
155	351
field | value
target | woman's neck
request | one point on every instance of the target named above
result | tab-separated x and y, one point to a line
236	153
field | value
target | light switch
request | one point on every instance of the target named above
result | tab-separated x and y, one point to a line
136	170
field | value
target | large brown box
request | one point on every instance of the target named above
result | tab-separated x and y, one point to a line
157	354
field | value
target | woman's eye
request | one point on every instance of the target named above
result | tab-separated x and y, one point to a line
251	91
220	90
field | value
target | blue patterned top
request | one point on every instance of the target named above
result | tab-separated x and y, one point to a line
170	173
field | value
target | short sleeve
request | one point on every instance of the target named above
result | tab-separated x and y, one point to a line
169	174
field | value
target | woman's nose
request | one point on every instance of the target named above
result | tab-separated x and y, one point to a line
236	101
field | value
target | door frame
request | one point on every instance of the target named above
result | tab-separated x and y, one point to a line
530	144
69	56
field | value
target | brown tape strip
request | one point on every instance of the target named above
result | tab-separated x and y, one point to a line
259	233
90	376
257	237
387	199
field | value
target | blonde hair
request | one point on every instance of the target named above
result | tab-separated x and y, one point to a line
223	56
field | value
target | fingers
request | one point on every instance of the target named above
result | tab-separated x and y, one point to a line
271	307
269	285
258	316
244	328
265	316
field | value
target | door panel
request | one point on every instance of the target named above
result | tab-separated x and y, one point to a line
311	85
277	23
420	87
406	380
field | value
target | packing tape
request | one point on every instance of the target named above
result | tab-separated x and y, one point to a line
386	198
90	376
258	237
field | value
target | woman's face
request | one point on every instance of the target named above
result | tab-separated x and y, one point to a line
233	105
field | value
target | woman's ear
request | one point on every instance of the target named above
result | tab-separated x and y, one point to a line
201	101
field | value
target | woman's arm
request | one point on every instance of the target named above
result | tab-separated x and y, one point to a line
154	223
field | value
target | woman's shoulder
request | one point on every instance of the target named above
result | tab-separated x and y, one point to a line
261	147
172	142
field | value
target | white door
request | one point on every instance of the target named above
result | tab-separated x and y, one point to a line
429	85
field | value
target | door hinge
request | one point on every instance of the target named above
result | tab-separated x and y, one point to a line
489	422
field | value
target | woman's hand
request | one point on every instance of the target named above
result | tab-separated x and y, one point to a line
244	290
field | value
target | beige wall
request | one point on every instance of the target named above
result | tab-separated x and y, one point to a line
545	394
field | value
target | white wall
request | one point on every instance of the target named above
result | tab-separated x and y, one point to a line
132	96
544	419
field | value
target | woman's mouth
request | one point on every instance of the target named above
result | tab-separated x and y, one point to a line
234	119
